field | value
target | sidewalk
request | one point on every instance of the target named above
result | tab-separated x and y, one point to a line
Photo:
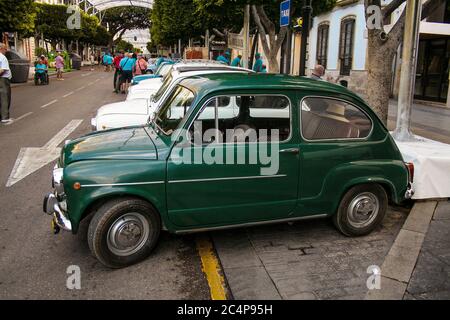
311	260
428	120
431	276
305	260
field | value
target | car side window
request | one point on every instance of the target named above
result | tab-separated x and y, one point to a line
244	119
328	119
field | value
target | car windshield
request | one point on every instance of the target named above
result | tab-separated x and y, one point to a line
174	109
166	83
164	70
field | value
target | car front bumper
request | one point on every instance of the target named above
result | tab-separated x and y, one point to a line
55	208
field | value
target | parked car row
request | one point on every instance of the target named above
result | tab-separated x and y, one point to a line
152	163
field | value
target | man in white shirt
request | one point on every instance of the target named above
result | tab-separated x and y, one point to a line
5	85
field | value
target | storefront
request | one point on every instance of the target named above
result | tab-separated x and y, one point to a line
432	75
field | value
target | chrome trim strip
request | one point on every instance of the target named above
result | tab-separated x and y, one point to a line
251	224
228	178
120	184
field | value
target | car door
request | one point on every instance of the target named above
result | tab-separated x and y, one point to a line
336	135
233	169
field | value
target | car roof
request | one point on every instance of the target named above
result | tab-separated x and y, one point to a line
193	65
205	84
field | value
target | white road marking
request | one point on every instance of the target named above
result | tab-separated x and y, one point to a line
19	118
49	104
69	94
30	160
86	74
79	89
97	80
90	83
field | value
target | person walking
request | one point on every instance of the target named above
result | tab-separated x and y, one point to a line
117	71
258	66
141	66
127	65
5	85
107	61
59	63
237	61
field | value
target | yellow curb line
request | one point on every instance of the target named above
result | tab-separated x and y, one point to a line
211	268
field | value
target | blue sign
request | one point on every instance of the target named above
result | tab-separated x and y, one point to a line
285	13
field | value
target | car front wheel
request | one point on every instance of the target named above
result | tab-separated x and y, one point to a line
123	232
361	210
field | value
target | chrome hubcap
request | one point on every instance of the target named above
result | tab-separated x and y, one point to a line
128	234
363	210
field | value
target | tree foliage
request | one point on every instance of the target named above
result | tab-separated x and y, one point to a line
121	19
123	45
17	16
173	20
51	22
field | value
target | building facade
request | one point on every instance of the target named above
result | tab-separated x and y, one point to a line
338	41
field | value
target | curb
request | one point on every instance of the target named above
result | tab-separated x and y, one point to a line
211	268
398	266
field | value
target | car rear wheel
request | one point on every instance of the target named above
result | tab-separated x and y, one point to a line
123	232
361	210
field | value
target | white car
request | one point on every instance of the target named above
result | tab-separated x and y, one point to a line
150	86
139	111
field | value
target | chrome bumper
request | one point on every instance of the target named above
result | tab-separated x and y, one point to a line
409	192
60	220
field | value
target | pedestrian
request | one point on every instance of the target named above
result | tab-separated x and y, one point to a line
5	85
107	62
257	67
117	71
224	58
237	61
141	66
59	63
318	72
127	64
45	60
41	71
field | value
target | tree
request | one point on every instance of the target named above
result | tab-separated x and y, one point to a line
17	16
123	45
173	20
382	48
121	19
266	17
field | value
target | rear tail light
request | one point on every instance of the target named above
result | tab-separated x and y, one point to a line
410	167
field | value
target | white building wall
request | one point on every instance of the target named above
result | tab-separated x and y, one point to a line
334	19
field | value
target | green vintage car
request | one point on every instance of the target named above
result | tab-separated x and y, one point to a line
230	150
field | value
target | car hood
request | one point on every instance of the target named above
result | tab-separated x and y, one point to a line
147	84
137	106
132	143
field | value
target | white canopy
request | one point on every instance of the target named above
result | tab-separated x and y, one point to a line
102	5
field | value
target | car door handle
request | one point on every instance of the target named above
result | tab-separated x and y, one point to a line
291	150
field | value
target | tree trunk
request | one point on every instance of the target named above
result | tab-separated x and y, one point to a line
379	76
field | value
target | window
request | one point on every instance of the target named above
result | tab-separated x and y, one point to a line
326	119
322	44
346	46
167	80
174	109
243	119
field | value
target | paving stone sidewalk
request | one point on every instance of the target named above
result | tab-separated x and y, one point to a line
431	276
305	260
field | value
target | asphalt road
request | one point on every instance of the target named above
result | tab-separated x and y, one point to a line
33	261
